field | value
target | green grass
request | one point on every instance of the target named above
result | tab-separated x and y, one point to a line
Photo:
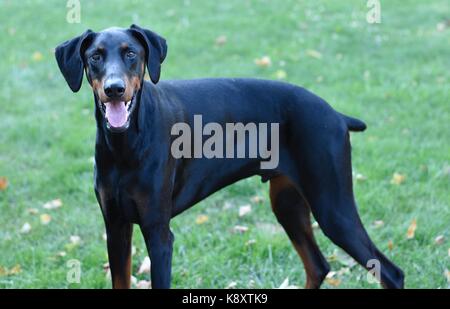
394	75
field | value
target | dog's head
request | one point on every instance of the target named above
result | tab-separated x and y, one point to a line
114	60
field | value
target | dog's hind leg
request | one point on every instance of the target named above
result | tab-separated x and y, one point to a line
326	181
293	214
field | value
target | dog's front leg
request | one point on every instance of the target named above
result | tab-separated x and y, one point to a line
159	241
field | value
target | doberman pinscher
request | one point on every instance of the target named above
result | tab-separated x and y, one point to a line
139	181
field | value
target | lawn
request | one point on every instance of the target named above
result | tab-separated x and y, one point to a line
394	75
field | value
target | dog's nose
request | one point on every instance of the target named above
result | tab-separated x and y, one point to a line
114	88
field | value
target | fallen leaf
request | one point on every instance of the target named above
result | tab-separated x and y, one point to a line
378	224
263	61
143	285
343	271
390	245
32	211
53	204
75	239
45	219
314	54
285	285
281	74
10	272
331	280
3	183
398	179
439	240
245	209
253	241
257	199
411	229
240	229
145	266
447	275
231	285
201	219
360	177
37	56
26	228
221	40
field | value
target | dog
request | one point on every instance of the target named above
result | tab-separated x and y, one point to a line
139	181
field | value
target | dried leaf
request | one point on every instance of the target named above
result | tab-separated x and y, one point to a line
231	285
253	241
257	199
285	285
10	272
390	245
314	54
3	183
26	228
281	74
331	280
245	209
378	224
447	275
201	219
221	40
53	204
360	177
75	239
32	211
439	240
37	56
45	219
240	229
263	62
411	229
145	266
398	179
143	285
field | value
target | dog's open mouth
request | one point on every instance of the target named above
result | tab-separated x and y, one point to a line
117	114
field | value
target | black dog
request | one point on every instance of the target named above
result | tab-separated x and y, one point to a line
139	180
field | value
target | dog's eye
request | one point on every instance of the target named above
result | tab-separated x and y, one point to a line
95	57
131	54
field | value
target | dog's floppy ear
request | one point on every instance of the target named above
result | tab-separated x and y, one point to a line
156	49
70	61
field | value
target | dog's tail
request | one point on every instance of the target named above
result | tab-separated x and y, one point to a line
354	124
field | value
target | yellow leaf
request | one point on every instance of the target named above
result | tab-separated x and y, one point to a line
45	219
53	204
314	54
333	281
201	219
398	179
257	199
280	74
390	245
3	183
263	61
37	56
411	229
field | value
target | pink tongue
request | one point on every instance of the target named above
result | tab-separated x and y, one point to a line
116	113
